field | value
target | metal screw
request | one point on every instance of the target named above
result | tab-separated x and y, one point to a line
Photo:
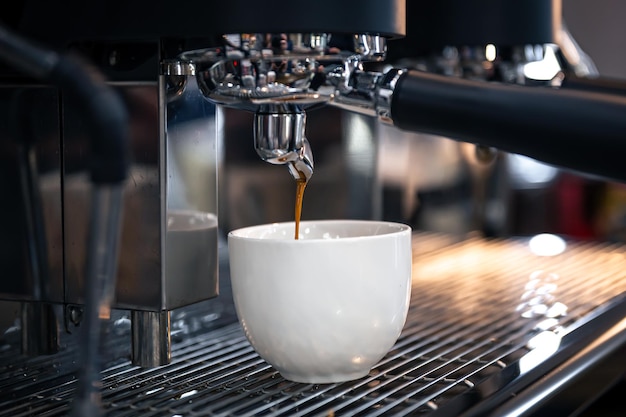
75	314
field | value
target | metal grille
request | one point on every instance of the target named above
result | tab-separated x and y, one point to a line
475	305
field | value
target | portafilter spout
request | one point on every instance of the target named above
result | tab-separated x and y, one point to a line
279	139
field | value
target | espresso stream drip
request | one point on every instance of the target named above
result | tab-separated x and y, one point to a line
300	186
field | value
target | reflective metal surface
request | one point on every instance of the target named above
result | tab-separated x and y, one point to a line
151	338
174	173
279	139
279	78
282	78
168	253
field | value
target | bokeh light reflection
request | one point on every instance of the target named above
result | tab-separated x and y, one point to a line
546	244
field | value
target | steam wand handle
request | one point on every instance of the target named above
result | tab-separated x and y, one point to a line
578	130
107	123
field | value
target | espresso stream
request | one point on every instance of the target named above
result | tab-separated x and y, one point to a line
300	186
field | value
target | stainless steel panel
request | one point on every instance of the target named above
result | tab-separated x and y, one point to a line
31	257
168	252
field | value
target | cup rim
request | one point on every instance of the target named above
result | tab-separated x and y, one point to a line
243	232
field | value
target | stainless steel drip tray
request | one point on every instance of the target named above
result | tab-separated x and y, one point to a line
492	327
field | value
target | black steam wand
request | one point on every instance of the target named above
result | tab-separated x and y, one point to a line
573	128
106	119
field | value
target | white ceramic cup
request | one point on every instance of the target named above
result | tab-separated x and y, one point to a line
328	306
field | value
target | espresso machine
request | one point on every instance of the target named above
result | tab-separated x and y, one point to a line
175	72
133	225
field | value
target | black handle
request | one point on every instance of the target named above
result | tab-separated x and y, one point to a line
596	84
569	128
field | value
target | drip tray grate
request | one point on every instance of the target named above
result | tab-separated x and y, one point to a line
475	305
